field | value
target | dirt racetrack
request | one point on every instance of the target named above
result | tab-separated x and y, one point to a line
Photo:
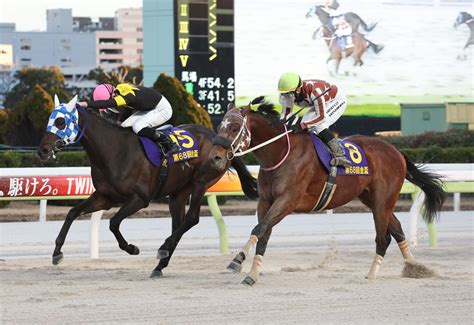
321	282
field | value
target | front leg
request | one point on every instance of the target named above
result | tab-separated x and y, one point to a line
93	203
236	264
132	205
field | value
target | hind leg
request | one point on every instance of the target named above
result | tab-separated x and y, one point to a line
375	200
395	229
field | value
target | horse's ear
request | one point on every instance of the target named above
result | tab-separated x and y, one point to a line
245	110
56	101
230	106
72	103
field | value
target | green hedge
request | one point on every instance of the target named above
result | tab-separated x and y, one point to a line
30	159
449	139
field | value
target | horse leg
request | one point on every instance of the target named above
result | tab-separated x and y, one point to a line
258	259
93	203
190	220
236	264
395	229
382	240
177	206
134	204
381	207
278	210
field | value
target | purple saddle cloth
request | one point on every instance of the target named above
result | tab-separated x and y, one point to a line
354	154
185	140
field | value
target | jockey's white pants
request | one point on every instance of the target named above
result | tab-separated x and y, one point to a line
333	111
157	116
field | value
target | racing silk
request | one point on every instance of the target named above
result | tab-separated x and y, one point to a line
136	97
338	23
308	97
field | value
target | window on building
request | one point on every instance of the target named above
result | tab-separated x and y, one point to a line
139	51
66	60
25	60
67	48
426	116
139	40
25	47
139	29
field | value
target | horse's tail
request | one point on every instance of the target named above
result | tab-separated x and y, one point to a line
367	28
377	48
248	182
431	184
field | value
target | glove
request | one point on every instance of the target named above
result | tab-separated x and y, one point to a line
294	124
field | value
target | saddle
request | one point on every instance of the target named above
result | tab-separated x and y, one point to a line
187	143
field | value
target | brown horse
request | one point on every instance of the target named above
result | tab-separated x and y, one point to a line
360	43
122	175
291	179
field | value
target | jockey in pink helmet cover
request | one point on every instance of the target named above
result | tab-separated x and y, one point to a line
152	109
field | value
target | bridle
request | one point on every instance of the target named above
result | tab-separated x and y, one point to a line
60	144
243	139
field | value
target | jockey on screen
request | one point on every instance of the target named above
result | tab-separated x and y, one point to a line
324	110
338	25
152	109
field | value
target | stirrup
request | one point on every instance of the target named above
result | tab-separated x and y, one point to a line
340	161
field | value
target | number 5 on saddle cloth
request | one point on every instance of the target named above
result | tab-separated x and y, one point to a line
188	147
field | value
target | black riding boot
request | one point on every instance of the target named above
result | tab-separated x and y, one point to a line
169	147
336	148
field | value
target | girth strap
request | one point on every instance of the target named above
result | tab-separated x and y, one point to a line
328	190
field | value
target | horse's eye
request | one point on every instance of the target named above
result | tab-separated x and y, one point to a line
60	123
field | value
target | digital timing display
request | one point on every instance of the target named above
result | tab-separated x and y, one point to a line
204	52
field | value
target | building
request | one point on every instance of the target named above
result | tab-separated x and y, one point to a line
76	44
158	26
421	118
124	44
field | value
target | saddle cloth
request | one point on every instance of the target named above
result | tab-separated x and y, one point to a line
186	141
354	153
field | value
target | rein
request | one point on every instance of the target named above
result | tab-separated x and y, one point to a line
236	152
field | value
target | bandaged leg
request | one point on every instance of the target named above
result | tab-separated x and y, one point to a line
236	264
374	269
405	249
254	271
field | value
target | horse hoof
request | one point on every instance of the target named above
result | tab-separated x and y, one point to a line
235	267
57	259
162	253
156	274
248	281
132	249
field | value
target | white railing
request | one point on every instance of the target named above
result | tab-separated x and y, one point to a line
74	183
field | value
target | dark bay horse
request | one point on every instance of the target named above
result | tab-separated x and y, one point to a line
292	177
122	175
360	43
465	18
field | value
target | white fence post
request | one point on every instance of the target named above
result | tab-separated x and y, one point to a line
414	212
94	234
42	210
457	202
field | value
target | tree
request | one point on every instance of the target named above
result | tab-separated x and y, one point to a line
50	79
123	74
185	109
3	125
28	118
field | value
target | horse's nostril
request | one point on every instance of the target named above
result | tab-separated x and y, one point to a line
217	158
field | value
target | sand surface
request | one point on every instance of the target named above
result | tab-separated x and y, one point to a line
307	279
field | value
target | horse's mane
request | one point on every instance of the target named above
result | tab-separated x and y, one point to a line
265	108
109	120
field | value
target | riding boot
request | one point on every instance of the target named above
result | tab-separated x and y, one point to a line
336	148
168	146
